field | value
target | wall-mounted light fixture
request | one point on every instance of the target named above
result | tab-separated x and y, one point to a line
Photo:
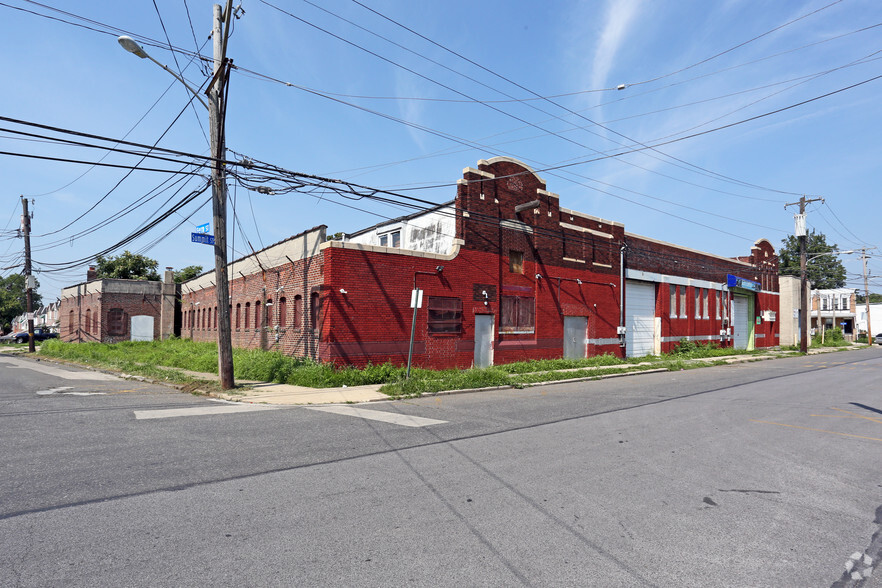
538	276
578	281
342	291
439	268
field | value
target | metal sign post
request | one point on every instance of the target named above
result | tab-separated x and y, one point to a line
416	302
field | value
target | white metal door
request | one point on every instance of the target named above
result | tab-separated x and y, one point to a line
639	318
575	345
483	340
740	322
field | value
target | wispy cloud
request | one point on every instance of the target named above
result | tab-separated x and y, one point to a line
618	19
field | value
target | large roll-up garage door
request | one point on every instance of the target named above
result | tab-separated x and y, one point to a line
639	318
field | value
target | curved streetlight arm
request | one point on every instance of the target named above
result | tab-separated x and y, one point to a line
132	47
816	255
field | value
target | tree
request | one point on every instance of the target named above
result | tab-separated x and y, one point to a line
187	273
823	271
128	266
13	299
874	298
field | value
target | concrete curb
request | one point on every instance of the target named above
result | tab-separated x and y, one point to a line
286	395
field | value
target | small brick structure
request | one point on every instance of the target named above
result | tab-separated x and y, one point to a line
102	309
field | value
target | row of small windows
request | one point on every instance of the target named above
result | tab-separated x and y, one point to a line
702	304
517	315
242	316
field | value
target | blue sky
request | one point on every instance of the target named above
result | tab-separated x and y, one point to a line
344	90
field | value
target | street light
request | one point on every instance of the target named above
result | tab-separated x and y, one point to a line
216	114
130	45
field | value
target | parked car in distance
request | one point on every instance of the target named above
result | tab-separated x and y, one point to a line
879	339
40	334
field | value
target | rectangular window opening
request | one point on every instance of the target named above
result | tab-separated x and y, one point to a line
445	315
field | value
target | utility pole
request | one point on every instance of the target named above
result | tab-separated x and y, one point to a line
29	279
801	233
216	117
867	294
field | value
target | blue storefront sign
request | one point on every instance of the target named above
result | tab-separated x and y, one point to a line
743	283
202	238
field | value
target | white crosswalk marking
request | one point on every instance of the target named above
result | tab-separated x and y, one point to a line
376	415
53	371
200	411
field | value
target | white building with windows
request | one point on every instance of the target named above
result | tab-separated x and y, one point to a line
431	232
875	319
834	307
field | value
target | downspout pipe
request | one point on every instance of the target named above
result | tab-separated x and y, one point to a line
622	299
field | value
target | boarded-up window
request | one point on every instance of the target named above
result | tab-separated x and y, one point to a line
258	318
70	322
88	319
517	314
116	322
283	312
247	315
314	308
298	312
445	315
269	313
238	315
673	290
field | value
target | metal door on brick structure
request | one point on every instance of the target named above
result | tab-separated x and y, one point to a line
575	343
484	340
740	322
640	318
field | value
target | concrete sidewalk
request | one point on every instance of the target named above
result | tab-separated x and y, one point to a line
271	393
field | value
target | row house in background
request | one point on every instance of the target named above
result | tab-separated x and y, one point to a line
834	307
46	316
504	273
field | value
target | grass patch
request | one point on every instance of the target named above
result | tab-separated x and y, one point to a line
174	359
150	358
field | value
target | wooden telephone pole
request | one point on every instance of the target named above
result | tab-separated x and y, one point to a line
803	284
29	279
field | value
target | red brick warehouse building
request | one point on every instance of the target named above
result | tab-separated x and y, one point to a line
506	273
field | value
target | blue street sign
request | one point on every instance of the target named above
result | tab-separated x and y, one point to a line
206	228
201	238
743	283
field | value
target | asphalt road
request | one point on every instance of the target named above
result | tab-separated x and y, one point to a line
758	474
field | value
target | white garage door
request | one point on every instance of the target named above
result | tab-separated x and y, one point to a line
639	318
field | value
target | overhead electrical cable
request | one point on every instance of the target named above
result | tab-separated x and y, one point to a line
567	109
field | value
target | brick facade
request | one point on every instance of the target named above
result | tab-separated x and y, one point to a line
515	257
101	310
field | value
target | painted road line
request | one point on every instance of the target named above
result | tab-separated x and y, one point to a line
168	413
53	390
58	373
376	415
